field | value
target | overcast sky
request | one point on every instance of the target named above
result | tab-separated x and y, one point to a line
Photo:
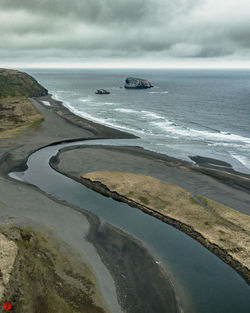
127	33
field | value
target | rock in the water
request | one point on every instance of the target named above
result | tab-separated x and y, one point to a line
137	83
102	92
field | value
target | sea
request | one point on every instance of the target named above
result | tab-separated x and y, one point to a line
187	113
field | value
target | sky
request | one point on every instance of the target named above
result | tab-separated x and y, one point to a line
127	33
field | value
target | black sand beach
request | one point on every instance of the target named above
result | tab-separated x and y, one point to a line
90	158
26	205
62	126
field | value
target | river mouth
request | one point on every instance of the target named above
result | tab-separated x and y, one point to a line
204	283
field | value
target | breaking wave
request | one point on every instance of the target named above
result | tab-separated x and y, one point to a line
171	127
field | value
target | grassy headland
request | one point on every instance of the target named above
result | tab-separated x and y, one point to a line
15	83
220	225
16	111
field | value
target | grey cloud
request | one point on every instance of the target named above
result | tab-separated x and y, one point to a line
127	29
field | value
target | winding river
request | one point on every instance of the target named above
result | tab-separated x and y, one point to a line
203	282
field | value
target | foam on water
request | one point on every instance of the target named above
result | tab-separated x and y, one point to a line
169	126
84	100
140	113
242	159
46	103
126	110
155	92
152	114
100	120
232	145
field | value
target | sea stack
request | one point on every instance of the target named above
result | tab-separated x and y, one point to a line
102	92
137	83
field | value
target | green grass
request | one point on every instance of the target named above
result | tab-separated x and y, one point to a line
144	200
15	83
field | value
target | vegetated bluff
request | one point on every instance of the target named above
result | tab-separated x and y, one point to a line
15	83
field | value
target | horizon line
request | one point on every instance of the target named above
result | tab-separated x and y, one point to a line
136	68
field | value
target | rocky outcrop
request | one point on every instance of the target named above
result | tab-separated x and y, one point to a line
137	83
102	92
15	83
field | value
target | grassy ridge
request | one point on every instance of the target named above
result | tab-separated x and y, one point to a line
14	83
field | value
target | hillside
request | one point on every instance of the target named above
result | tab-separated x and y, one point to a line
14	83
16	111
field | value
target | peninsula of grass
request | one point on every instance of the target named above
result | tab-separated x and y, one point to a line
221	229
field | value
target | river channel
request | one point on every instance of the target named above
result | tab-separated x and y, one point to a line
202	281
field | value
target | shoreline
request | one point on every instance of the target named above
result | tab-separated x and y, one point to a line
14	157
187	229
219	170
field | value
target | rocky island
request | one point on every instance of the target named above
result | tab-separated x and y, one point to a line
102	92
137	83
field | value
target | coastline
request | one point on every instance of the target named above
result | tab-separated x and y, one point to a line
57	129
14	154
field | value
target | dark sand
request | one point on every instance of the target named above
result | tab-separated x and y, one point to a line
23	205
74	161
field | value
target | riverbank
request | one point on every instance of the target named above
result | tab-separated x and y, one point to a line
26	205
222	230
73	161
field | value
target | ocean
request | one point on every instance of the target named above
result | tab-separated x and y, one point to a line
187	113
